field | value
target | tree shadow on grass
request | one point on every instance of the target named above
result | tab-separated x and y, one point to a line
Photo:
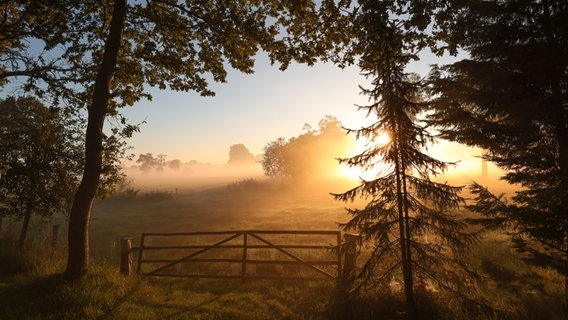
119	302
510	280
29	298
135	295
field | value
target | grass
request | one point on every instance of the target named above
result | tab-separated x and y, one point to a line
31	286
104	294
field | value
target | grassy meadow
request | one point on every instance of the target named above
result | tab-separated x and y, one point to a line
31	286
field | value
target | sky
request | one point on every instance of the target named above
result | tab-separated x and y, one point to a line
252	109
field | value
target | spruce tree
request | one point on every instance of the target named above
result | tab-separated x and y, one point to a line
408	219
510	97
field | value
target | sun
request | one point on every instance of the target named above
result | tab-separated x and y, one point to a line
362	144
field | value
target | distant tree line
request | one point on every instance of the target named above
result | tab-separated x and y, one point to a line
239	155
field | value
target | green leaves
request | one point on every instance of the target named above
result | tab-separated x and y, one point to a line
40	161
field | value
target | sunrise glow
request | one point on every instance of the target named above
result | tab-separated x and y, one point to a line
362	144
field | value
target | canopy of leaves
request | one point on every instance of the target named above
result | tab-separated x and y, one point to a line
312	154
57	45
148	162
40	158
240	155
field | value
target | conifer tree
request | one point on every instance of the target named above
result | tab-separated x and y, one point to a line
510	97
408	220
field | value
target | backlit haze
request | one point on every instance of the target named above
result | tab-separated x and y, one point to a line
258	108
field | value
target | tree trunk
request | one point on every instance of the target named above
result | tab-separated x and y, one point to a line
78	236
404	238
25	225
566	287
408	276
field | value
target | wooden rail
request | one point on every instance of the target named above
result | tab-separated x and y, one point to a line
172	254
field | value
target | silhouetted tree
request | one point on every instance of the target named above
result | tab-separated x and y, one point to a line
408	221
40	160
148	162
175	164
312	154
510	97
273	162
104	62
239	154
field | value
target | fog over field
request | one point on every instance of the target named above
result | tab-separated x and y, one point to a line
213	197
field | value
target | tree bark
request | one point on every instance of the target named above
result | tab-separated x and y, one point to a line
404	235
78	236
25	226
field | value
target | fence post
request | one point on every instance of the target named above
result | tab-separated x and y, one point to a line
126	256
244	266
350	261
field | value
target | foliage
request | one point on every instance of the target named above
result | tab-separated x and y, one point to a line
311	154
510	98
40	159
158	163
148	162
273	161
408	219
104	55
239	154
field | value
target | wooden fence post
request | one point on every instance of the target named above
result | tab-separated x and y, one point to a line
244	266
126	256
350	261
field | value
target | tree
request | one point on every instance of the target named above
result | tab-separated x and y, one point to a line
510	98
175	164
115	50
408	220
148	162
273	162
40	160
312	154
239	154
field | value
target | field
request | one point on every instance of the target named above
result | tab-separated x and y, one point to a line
30	287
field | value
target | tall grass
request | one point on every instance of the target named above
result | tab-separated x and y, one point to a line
31	286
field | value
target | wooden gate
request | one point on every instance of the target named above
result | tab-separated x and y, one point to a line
273	254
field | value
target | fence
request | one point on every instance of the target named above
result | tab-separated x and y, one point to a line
267	254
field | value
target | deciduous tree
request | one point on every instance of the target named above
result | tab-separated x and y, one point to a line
311	154
239	154
40	160
104	54
273	162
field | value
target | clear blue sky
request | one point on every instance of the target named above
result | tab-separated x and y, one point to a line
250	109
